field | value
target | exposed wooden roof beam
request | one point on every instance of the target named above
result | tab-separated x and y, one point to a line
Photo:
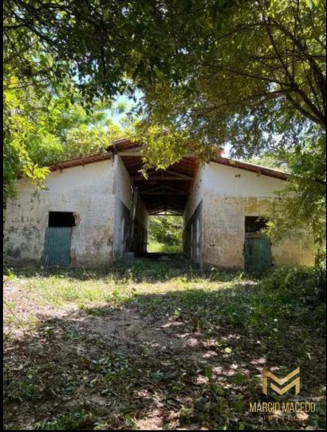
178	174
136	178
162	190
171	213
180	193
129	153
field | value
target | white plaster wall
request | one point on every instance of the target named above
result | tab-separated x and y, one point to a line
230	194
122	182
123	194
86	190
221	180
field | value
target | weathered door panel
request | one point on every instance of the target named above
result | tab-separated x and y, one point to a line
57	246
257	254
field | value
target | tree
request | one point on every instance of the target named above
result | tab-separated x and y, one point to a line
256	80
251	75
18	126
76	44
40	130
216	55
243	71
55	101
166	231
247	72
303	201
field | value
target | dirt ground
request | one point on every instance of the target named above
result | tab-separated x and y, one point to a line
142	360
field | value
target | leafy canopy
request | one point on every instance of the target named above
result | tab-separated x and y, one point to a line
166	229
250	73
39	131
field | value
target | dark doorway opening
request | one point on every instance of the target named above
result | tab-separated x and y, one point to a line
255	224
61	219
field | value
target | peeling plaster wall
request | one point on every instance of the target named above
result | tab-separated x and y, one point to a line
100	196
85	190
296	249
123	195
230	194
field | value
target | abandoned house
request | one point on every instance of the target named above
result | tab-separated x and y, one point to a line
95	209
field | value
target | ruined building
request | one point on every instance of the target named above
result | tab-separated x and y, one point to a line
94	209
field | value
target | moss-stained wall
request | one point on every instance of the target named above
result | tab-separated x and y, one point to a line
229	194
85	190
224	234
100	196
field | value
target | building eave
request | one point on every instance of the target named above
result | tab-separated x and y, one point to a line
257	169
126	147
80	161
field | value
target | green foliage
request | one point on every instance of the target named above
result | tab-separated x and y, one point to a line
287	296
167	144
252	75
40	130
166	229
46	119
18	127
75	420
90	139
202	359
158	247
249	73
303	201
244	72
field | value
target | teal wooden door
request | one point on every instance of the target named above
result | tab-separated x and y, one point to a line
57	246
257	254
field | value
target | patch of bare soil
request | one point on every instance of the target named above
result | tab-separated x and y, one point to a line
113	366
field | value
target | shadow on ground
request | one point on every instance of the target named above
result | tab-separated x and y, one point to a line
182	359
154	267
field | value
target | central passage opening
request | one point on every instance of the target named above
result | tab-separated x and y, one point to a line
165	234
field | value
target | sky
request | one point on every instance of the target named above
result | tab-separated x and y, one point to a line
124	99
